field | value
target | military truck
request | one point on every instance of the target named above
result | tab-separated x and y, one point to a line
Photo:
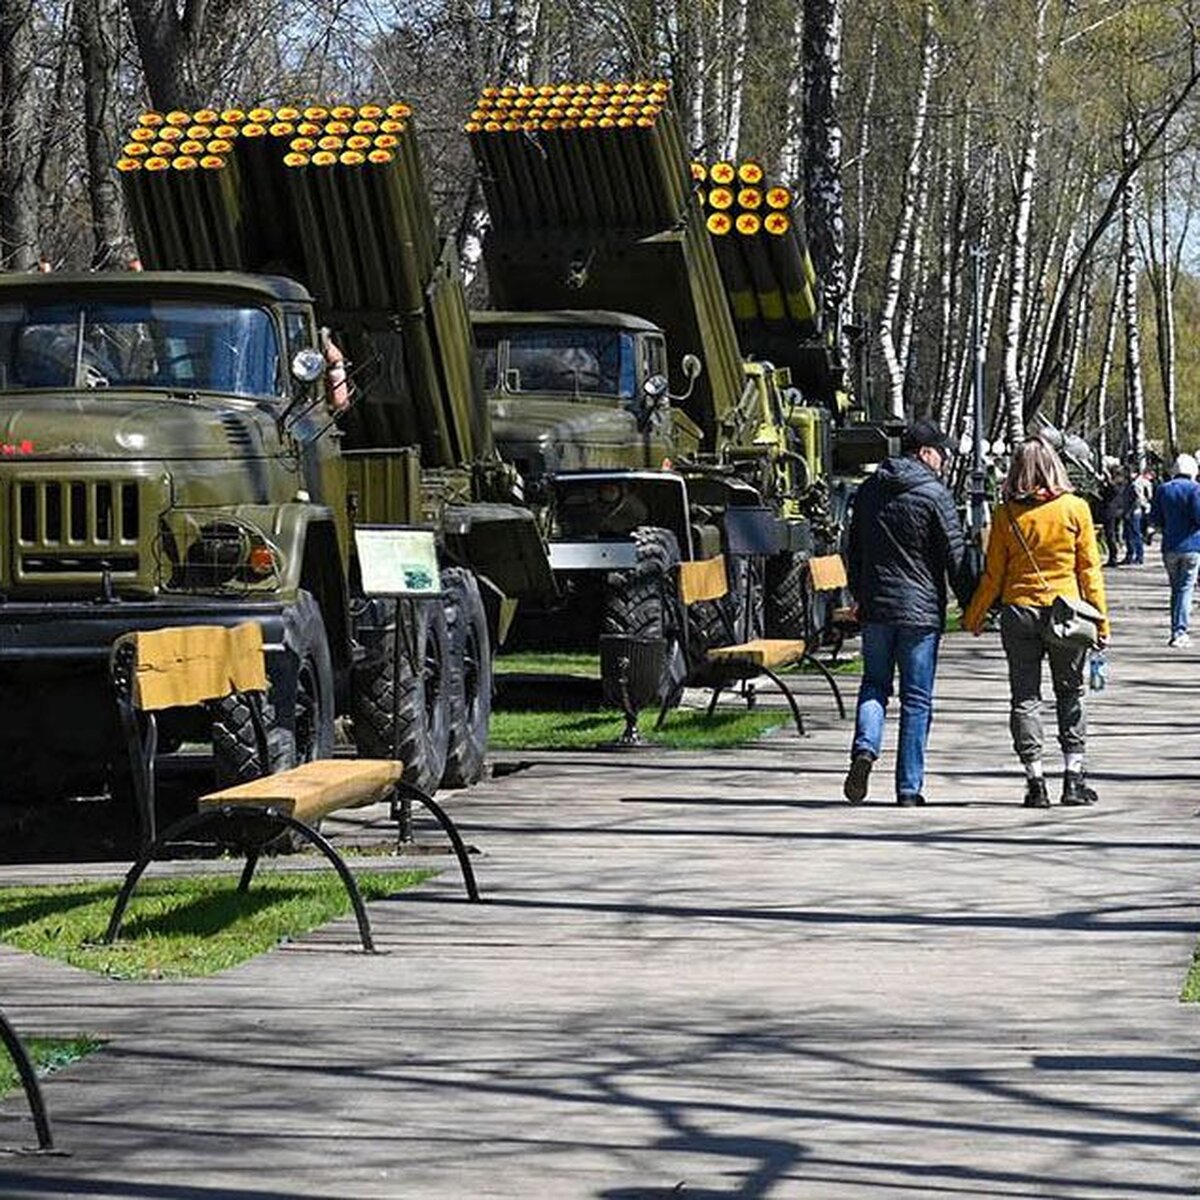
170	458
633	458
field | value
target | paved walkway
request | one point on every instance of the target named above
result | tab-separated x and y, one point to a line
704	976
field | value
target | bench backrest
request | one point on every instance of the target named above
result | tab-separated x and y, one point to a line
703	580
828	572
190	664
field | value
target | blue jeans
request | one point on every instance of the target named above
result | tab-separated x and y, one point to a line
914	650
1181	571
1135	548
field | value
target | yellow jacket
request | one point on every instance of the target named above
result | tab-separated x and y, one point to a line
1061	538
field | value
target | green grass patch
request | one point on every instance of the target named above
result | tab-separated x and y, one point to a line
548	663
48	1055
180	927
1191	985
684	730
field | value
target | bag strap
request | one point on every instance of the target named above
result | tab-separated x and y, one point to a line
1025	546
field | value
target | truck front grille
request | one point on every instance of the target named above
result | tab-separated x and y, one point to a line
65	527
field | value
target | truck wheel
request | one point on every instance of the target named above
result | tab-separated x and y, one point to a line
789	597
470	680
421	734
643	602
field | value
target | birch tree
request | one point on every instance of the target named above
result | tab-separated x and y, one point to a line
897	258
823	201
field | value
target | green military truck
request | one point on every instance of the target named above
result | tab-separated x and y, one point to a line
170	457
636	459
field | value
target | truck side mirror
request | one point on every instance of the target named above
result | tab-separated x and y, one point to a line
692	367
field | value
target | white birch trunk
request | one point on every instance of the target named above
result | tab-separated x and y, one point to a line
1106	362
694	15
863	206
791	155
1018	258
894	275
1134	391
737	80
914	294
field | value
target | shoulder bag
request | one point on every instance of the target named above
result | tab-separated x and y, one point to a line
1074	622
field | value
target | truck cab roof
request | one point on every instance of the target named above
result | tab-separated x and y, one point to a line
234	285
598	318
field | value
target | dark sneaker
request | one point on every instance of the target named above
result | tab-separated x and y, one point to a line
1036	795
857	778
1075	789
908	799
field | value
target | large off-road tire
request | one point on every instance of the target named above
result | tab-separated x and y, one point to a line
419	736
298	723
470	680
790	611
643	602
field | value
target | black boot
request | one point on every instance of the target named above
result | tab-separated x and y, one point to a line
1036	795
858	778
1075	789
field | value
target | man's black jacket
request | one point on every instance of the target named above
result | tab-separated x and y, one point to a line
905	539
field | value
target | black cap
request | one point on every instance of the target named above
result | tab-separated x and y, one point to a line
925	432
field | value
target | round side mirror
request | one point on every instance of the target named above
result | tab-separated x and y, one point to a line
691	365
308	365
655	387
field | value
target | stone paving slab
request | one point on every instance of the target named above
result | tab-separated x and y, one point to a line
703	975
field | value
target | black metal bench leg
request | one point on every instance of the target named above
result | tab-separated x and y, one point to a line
829	679
145	858
29	1081
797	716
311	835
712	704
406	790
248	871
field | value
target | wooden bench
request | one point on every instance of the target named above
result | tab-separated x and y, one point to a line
743	661
195	665
29	1081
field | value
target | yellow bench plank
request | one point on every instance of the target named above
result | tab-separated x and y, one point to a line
315	789
189	664
828	572
704	580
762	652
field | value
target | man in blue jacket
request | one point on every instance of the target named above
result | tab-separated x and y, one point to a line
1175	510
905	540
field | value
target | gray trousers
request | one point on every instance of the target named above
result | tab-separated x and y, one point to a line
1023	633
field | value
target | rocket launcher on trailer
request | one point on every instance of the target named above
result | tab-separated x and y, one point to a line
176	462
617	382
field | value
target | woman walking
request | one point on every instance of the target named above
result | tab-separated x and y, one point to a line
1042	545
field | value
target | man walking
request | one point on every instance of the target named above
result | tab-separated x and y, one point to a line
1175	510
905	539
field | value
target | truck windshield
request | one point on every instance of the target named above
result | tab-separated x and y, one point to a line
168	345
559	359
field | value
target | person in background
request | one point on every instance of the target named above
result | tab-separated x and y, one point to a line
1138	492
337	379
1175	511
905	539
1043	544
1114	498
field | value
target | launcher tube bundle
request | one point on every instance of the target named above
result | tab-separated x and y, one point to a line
334	196
760	247
592	207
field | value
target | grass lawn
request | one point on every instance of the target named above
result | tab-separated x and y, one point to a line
684	730
1191	985
194	925
549	663
48	1055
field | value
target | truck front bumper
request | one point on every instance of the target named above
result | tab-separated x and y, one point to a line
84	631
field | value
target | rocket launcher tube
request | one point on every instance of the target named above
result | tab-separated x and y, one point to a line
344	270
314	244
371	234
